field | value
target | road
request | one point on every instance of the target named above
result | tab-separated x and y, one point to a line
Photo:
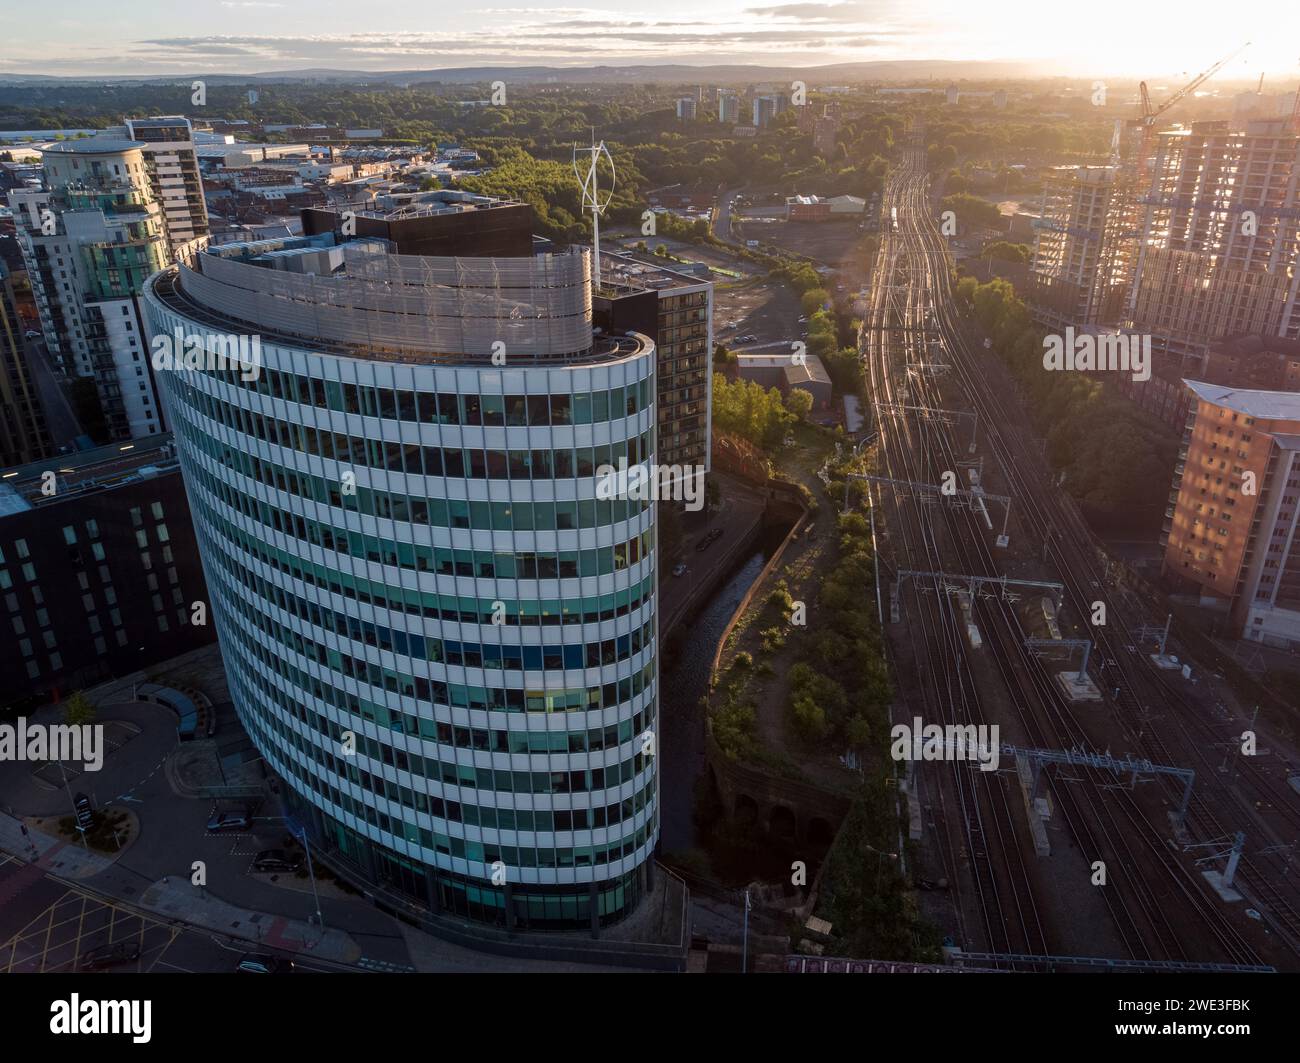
61	422
722	217
46	926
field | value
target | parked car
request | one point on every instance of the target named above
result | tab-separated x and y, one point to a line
235	819
263	963
111	955
275	860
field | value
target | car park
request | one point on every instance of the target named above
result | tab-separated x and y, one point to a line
234	819
275	860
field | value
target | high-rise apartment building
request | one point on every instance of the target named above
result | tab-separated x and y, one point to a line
90	239
174	174
437	630
1220	238
23	436
728	107
676	311
1230	530
686	106
765	109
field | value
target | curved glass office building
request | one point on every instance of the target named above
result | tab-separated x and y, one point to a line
435	632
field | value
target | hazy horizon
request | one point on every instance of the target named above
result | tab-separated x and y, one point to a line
149	38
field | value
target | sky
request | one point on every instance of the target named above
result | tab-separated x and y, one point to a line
1070	37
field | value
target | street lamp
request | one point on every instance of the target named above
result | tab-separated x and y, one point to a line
744	947
882	854
311	871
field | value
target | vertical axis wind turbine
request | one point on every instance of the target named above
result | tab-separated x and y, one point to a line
590	183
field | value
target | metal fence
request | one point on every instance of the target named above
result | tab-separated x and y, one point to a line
538	307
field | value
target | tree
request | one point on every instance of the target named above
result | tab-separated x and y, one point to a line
78	710
1006	251
1110	453
799	402
747	410
814	299
972	211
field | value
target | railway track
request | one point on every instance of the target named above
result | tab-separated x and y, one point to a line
984	839
1150	886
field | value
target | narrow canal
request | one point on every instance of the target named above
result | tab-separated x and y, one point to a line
684	680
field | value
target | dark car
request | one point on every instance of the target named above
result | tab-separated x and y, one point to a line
263	963
709	539
97	959
275	860
235	819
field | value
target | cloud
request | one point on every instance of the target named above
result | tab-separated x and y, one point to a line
524	35
836	12
547	40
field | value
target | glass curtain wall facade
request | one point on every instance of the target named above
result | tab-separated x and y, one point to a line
435	632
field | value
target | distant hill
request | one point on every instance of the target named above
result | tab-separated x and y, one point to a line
673	73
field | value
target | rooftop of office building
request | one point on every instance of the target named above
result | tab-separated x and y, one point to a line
441	201
81	472
633	271
105	145
362	299
146	126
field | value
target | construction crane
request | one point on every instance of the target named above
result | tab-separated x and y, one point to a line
1150	113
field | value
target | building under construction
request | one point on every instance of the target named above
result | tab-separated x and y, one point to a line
1076	277
1220	234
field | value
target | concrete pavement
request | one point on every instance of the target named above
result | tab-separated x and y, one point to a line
175	899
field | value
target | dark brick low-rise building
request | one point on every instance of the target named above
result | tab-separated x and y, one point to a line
441	223
1260	363
99	570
